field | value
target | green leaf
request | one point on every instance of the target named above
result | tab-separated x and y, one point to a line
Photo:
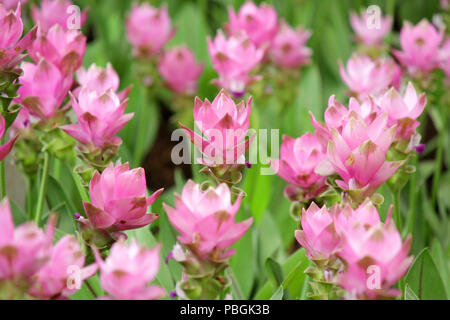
409	294
274	272
278	295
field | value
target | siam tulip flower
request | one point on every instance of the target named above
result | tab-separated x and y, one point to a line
148	28
444	57
12	4
118	199
64	48
63	273
288	48
375	259
420	46
127	271
297	164
206	220
224	126
61	12
370	31
260	23
365	76
346	218
5	148
100	117
11	46
43	88
180	70
233	59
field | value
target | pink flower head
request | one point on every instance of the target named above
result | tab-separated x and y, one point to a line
12	4
260	23
297	164
118	199
369	30
61	12
444	57
224	126
63	274
346	218
233	59
98	79
318	235
148	28
180	70
206	220
43	88
11	46
5	148
127	271
365	76
420	46
288	48
404	111
100	117
375	259
64	48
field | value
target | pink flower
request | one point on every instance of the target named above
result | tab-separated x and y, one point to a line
64	48
375	259
420	46
260	23
180	70
127	271
148	28
288	48
205	220
366	28
233	59
444	57
11	46
43	88
118	199
365	76
61	12
100	117
63	273
318	235
404	111
12	4
346	218
224	126
297	164
5	148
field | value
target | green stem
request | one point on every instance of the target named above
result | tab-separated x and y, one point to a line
412	200
235	284
2	174
81	190
43	187
397	213
438	166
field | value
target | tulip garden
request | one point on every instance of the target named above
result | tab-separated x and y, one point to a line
224	150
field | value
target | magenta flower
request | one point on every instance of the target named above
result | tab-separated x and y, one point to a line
127	271
5	148
224	126
148	28
420	46
233	59
180	70
370	31
118	199
206	220
346	218
59	12
260	23
288	48
100	117
11	46
12	4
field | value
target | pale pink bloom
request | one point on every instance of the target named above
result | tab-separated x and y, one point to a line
43	88
289	47
64	48
206	220
11	46
59	12
233	59
420	46
375	259
12	4
148	28
346	218
119	200
180	70
444	57
63	274
100	116
5	148
260	23
404	110
365	76
367	29
128	270
224	126
445	4
318	235
98	79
